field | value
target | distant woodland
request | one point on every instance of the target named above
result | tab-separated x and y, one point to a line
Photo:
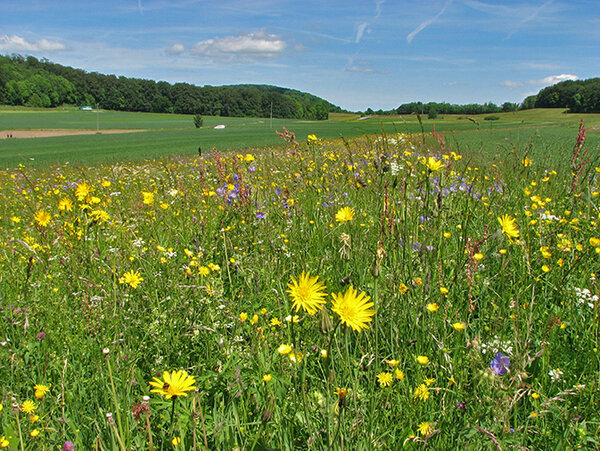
41	83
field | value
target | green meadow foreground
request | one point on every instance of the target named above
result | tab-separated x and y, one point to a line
396	291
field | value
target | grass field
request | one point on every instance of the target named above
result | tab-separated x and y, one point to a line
175	134
372	292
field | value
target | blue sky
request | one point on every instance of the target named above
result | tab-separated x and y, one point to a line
356	54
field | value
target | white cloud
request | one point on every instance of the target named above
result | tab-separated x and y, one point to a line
511	84
549	80
553	79
176	49
16	43
450	83
257	44
363	69
360	31
428	22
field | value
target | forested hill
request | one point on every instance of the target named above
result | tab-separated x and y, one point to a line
579	96
41	83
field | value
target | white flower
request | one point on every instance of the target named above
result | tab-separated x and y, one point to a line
555	375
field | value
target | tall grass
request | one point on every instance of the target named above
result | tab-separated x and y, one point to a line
184	263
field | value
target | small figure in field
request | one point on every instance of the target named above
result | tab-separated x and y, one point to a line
199	151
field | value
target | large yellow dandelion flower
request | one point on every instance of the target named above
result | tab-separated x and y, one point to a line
28	407
173	384
353	309
344	214
82	191
131	278
42	217
307	293
40	390
433	164
424	428
509	228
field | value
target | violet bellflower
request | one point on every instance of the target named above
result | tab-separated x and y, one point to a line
500	364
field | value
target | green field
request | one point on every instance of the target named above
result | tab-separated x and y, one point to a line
172	134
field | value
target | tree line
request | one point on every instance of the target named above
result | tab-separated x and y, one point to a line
579	96
41	83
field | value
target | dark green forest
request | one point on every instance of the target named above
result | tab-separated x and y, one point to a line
41	83
579	96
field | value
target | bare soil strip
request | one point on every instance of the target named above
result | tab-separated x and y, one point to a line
6	134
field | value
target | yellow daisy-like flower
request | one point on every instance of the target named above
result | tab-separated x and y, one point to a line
65	204
307	293
148	198
344	214
40	390
422	392
3	442
82	191
267	378
432	307
353	309
42	217
458	326
424	428
399	374
284	349
432	164
131	278
173	384
35	433
28	407
385	379
509	228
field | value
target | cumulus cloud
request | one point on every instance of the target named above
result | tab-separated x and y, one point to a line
176	49
255	45
553	79
16	43
549	80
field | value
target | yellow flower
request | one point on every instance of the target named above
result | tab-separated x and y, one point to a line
535	395
545	268
393	363
443	290
41	390
82	191
249	158
203	271
478	256
42	217
432	307
173	384
385	379
28	407
423	359
312	138
3	442
458	326
267	378
428	381
34	433
526	162
399	374
176	441
254	319
65	204
34	418
131	278
148	198
243	317
424	428
353	309
275	322
594	242
284	349
432	164
99	216
422	392
509	227
403	288
344	214
307	293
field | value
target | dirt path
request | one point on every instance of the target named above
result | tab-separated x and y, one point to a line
7	134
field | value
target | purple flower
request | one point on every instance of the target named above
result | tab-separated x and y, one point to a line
500	364
68	446
260	215
41	336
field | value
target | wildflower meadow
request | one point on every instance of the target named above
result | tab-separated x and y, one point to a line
384	292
